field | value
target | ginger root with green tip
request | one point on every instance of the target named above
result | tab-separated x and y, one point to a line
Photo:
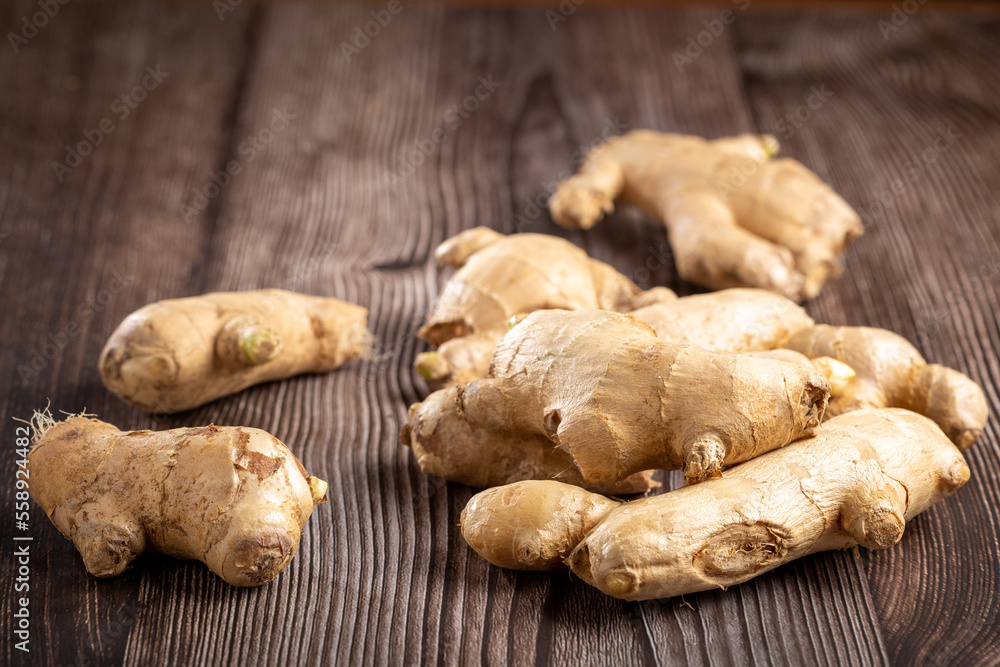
175	355
501	276
856	483
600	395
734	216
890	372
233	498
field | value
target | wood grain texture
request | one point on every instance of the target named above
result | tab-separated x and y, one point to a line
350	197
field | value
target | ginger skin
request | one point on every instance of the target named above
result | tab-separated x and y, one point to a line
599	388
178	354
500	277
731	320
856	483
734	216
233	498
890	372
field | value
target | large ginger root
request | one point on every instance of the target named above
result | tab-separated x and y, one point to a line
890	372
234	498
856	483
735	217
178	354
613	400
732	320
503	276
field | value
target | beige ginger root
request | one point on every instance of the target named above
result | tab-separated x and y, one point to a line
856	483
735	217
866	367
742	321
501	276
449	445
890	372
233	498
178	354
731	320
599	390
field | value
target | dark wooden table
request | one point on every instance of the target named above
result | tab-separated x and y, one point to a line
353	164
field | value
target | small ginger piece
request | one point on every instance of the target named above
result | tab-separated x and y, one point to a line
233	498
598	397
890	372
735	216
532	525
500	277
856	483
178	354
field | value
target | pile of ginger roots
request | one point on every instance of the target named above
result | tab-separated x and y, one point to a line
561	386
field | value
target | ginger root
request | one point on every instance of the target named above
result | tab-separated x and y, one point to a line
233	498
890	372
866	367
856	483
451	446
505	276
597	397
178	354
731	320
735	217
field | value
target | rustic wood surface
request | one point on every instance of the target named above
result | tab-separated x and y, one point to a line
383	576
